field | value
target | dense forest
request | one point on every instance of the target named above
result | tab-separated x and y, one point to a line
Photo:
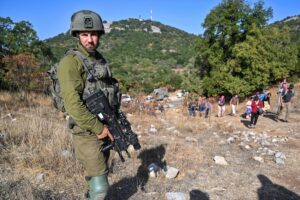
238	53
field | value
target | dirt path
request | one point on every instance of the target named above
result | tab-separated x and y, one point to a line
190	145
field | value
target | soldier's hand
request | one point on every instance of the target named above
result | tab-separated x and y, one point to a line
105	133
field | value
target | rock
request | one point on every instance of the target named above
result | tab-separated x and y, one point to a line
230	140
170	128
284	139
152	174
190	139
171	172
279	158
270	152
247	147
219	160
130	149
280	155
175	196
279	161
259	159
274	140
152	129
41	177
66	154
264	142
252	133
246	139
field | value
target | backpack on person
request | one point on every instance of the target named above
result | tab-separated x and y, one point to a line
288	96
55	87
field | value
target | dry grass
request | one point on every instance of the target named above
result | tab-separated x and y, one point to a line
34	137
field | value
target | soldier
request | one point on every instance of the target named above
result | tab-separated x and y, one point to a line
80	73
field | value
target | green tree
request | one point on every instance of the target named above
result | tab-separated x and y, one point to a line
19	41
238	53
190	82
16	37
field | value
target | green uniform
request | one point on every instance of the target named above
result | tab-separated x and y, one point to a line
72	79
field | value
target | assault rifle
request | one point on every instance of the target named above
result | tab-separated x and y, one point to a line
97	103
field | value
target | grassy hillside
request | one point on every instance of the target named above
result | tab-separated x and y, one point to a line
143	54
293	23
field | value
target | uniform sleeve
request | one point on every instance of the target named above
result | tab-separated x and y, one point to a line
72	86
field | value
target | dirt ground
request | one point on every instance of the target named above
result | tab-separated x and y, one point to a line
174	139
243	177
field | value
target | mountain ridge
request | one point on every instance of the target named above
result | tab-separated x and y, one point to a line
154	50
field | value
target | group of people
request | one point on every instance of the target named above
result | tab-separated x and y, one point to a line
256	105
201	106
260	103
234	102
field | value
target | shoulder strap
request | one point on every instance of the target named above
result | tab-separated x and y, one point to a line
82	58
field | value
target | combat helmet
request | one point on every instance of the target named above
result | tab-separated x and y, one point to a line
86	20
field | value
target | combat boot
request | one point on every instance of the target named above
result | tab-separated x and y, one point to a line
98	187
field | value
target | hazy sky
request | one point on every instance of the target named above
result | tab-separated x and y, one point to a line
51	17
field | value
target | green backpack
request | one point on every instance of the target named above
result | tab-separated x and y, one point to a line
55	87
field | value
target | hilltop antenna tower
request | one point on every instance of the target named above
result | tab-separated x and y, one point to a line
151	14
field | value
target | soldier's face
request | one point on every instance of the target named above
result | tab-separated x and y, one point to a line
89	40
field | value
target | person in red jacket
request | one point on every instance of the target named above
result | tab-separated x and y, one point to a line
255	105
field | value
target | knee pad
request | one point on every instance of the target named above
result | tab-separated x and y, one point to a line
98	186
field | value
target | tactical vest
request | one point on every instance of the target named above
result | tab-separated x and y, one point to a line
99	76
